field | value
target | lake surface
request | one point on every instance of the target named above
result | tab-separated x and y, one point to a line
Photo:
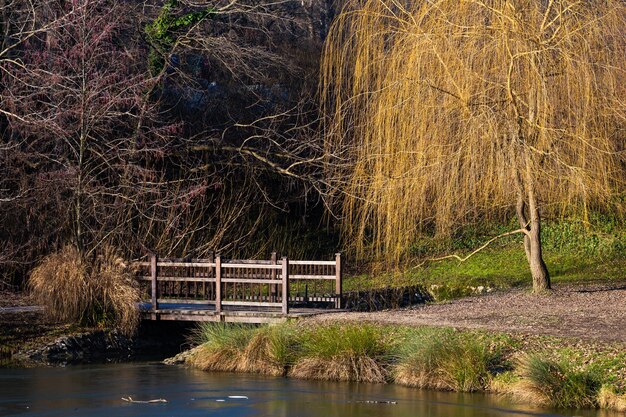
97	390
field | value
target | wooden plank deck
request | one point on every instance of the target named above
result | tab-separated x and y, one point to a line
231	314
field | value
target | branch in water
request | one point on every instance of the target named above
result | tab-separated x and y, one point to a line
130	400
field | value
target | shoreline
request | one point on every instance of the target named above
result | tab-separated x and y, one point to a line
440	358
29	338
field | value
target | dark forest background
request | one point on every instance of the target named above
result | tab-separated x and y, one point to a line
178	127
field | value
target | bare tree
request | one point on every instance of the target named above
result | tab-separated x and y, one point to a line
447	112
86	147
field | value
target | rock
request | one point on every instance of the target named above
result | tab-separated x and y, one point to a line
181	358
96	346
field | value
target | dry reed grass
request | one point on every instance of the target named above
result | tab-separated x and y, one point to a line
102	291
209	358
343	353
521	391
609	399
444	360
440	109
421	378
222	348
272	350
343	367
546	382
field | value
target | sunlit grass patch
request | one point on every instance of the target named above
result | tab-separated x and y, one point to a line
222	346
550	383
343	353
272	349
447	360
608	398
426	357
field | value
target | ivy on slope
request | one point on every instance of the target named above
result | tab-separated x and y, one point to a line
163	31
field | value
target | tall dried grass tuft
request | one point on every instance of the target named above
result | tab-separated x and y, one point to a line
222	347
343	353
272	350
342	367
550	383
116	291
609	399
444	360
101	291
61	283
444	112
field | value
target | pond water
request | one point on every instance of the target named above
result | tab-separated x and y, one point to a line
97	390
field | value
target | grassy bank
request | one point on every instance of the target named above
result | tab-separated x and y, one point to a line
575	252
543	370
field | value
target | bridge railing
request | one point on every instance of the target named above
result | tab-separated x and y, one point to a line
222	283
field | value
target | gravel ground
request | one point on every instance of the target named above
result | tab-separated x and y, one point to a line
593	313
12	299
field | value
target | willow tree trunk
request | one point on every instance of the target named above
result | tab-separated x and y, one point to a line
532	246
530	221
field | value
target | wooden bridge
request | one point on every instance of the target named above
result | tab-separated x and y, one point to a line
250	291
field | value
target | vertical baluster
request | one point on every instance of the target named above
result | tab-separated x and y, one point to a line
154	294
218	283
338	280
273	287
211	287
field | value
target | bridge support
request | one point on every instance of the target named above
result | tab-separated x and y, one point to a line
338	280
285	278
155	287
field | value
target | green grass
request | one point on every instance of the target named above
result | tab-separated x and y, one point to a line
609	366
223	336
449	360
332	340
574	253
558	384
222	346
273	349
344	353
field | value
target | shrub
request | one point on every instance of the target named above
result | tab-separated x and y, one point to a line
343	353
444	359
548	382
101	291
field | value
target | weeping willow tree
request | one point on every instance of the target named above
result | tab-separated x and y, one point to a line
451	111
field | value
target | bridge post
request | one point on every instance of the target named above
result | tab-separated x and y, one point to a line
155	287
285	278
338	280
218	283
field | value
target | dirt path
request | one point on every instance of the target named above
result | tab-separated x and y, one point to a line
588	313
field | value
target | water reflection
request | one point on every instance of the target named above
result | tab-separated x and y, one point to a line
97	391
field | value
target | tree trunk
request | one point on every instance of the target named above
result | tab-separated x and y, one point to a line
532	247
532	225
530	220
538	268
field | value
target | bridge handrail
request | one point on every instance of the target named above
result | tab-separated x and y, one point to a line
218	267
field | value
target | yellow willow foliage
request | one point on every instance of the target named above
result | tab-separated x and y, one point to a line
437	107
